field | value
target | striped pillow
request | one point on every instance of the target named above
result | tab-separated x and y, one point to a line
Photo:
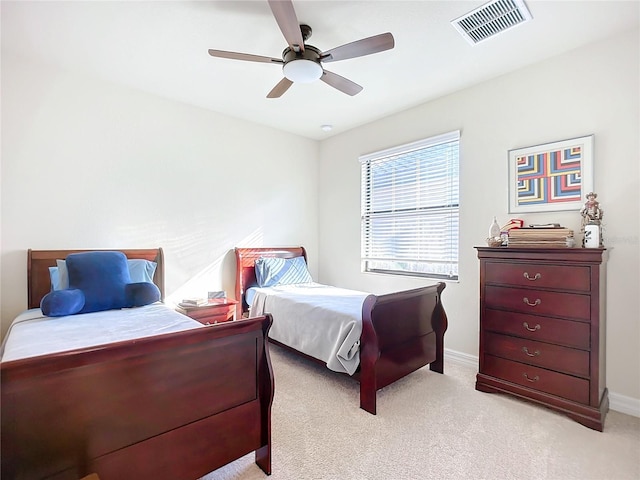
272	271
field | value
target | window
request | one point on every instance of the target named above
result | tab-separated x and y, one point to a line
410	208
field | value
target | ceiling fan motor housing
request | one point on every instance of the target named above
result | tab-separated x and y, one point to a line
310	53
302	67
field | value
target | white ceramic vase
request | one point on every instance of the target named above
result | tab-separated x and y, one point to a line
591	236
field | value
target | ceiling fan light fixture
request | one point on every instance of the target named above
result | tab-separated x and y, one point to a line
302	70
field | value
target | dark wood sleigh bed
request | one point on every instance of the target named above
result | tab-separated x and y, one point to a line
170	406
401	331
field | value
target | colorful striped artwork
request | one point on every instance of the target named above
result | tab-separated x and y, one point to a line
551	176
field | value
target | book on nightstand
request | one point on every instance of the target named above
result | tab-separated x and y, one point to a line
193	302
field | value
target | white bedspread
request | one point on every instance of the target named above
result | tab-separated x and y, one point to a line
32	333
319	320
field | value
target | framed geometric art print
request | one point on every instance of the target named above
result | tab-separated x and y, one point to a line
551	177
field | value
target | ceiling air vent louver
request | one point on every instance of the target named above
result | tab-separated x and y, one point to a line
490	19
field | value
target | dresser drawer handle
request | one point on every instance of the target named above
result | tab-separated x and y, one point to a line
534	379
537	276
537	302
526	325
534	354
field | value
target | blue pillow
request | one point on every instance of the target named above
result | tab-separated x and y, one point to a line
272	271
54	275
140	270
141	293
62	302
61	274
101	276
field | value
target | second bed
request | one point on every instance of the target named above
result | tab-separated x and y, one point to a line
377	339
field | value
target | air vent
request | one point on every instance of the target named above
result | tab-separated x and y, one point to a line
491	19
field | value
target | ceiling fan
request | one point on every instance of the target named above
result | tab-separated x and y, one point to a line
303	63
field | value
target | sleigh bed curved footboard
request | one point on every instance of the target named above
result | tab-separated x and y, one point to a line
401	332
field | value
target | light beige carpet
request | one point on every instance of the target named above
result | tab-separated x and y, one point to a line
428	426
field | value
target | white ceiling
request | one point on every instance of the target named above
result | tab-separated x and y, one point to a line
161	47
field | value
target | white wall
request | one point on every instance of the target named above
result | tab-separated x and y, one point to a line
87	164
593	90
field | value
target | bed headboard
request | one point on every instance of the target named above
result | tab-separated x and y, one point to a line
245	266
39	261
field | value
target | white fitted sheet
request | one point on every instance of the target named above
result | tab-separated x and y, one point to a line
32	333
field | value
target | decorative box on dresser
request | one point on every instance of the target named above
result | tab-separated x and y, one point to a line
542	328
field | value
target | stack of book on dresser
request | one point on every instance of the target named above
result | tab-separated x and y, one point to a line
548	235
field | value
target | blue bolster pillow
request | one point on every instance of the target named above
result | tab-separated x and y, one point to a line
62	302
141	293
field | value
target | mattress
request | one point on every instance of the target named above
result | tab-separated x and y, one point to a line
32	333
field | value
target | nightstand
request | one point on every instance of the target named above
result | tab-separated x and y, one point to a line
216	311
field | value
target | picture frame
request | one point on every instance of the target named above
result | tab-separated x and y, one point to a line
551	177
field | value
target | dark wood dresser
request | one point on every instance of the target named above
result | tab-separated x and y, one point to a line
542	328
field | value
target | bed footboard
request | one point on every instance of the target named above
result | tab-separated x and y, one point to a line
171	406
401	332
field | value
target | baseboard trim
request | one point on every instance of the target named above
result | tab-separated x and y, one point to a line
624	404
461	358
617	402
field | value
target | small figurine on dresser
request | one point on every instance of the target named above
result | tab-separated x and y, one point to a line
592	215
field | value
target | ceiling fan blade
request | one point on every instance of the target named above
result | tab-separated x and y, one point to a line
360	48
282	86
340	83
288	22
243	56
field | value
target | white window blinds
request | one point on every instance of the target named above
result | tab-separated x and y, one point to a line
410	208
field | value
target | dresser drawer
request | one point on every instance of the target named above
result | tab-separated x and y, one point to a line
542	329
546	355
539	302
531	275
565	386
